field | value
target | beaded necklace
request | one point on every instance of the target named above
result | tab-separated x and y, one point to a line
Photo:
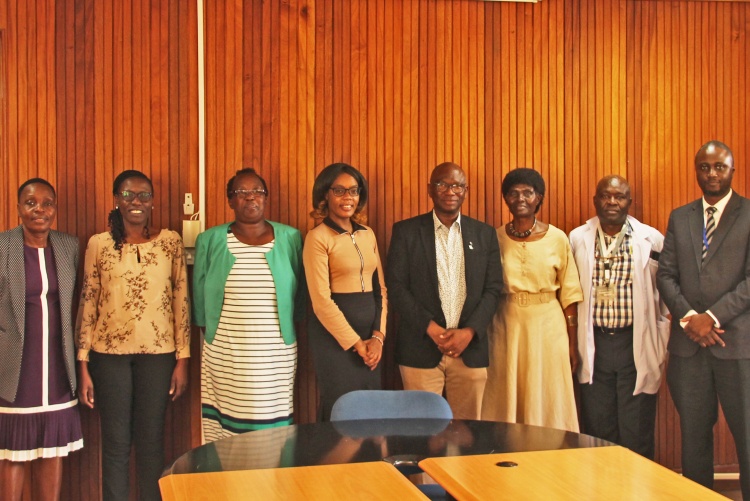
518	234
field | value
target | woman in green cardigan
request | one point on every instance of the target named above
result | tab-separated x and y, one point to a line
248	294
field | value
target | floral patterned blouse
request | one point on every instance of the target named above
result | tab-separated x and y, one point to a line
134	301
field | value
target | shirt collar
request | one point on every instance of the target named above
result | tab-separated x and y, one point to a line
338	229
438	224
720	205
626	227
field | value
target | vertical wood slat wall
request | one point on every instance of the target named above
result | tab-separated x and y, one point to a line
574	88
90	89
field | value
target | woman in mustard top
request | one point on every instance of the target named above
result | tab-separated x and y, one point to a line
347	289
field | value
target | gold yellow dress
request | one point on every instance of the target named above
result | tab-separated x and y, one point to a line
529	378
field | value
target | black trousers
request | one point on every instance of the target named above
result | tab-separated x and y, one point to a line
698	384
340	371
609	410
131	393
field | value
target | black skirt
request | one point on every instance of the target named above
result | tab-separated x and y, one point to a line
340	371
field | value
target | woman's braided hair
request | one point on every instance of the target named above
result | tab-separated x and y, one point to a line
114	221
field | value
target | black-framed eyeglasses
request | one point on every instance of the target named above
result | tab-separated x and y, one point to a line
442	187
143	196
338	191
249	193
516	194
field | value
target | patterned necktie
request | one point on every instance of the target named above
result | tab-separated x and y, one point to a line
710	227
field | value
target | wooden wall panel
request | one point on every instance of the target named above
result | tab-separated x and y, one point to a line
93	88
688	67
575	88
27	31
127	92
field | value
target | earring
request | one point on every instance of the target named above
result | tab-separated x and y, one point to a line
117	207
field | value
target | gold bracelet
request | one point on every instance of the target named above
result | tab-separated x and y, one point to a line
571	321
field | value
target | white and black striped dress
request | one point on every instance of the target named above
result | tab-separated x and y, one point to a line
247	378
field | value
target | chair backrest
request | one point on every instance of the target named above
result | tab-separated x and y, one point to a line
384	404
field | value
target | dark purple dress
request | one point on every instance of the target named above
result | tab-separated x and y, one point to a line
43	422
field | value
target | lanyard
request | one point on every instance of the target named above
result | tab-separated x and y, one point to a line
606	252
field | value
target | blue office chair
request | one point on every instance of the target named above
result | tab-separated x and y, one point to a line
384	404
404	404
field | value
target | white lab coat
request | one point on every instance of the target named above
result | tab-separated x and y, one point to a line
650	325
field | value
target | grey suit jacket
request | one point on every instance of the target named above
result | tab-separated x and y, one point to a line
721	284
412	280
13	304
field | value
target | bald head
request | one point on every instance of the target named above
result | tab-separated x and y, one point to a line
613	180
713	147
445	169
612	202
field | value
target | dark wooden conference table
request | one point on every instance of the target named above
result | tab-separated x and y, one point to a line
472	460
392	440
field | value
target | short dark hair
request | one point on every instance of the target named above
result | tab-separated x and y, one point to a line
325	180
127	174
524	175
247	171
36	180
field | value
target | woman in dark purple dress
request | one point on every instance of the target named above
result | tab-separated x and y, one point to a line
39	420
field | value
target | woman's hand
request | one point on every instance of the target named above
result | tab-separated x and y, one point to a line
85	385
374	350
573	355
571	322
178	385
361	348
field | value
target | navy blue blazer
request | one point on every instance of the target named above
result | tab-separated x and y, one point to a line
412	281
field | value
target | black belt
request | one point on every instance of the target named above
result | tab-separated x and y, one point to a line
613	330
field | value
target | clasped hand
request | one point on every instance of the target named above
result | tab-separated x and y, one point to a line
371	350
451	342
701	329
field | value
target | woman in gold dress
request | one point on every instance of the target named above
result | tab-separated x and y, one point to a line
532	337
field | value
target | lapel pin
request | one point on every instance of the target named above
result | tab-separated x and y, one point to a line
471	246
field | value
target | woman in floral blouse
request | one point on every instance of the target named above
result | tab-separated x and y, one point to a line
133	323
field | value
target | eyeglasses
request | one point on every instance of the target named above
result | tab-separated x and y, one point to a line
442	187
718	167
516	194
338	191
249	193
143	196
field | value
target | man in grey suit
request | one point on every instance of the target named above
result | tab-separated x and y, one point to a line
704	279
444	280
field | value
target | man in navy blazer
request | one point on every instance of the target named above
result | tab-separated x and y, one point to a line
444	280
704	279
